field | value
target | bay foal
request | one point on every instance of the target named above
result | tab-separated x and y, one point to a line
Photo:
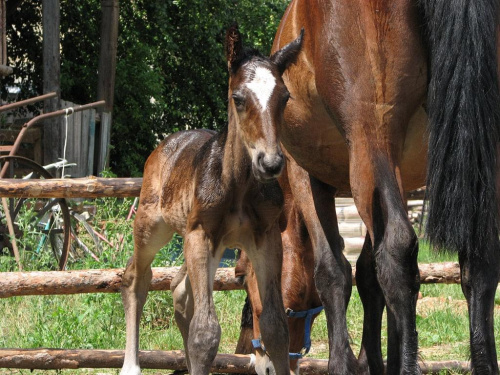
217	190
300	298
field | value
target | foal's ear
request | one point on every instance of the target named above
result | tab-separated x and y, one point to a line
287	55
234	45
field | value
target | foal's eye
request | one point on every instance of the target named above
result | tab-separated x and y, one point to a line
286	97
239	101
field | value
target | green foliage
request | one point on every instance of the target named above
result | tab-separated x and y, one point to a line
171	72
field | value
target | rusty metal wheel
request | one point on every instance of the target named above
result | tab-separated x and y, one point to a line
46	220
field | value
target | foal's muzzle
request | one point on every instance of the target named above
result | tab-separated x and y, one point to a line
268	166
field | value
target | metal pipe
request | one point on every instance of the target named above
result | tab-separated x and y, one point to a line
21	103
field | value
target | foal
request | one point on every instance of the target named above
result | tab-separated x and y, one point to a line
300	298
217	191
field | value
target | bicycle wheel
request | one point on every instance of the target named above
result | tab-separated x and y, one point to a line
37	221
85	241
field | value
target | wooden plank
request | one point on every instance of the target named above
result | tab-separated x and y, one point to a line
89	187
91	143
84	150
3	36
31	135
77	171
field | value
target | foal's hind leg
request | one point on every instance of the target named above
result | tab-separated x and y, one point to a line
194	306
480	277
150	234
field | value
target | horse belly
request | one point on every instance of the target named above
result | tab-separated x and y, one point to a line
311	136
414	162
238	231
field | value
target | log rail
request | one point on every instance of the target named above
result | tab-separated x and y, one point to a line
56	359
109	280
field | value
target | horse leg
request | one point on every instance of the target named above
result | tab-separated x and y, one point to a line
370	356
266	260
479	284
333	275
150	234
182	295
194	306
332	271
377	195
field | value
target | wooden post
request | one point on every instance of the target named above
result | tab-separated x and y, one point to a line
3	31
107	70
51	79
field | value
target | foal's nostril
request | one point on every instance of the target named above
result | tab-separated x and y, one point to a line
260	158
270	165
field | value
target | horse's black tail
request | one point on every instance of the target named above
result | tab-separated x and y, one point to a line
464	113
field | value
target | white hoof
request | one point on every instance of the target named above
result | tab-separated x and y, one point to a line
130	370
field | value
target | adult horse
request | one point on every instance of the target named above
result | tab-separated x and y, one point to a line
382	91
217	190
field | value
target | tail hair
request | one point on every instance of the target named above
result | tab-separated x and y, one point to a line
463	106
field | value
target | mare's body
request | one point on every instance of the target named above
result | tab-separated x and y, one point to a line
358	124
217	191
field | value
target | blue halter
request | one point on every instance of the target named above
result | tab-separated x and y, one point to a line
308	315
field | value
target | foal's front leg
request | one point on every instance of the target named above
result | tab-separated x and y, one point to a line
194	307
267	260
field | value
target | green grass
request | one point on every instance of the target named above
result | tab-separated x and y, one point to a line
96	321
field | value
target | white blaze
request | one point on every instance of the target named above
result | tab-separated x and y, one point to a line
262	85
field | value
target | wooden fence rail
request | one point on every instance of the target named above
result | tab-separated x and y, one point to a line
89	187
109	280
56	359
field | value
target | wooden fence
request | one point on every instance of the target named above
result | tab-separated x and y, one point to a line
87	142
96	281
